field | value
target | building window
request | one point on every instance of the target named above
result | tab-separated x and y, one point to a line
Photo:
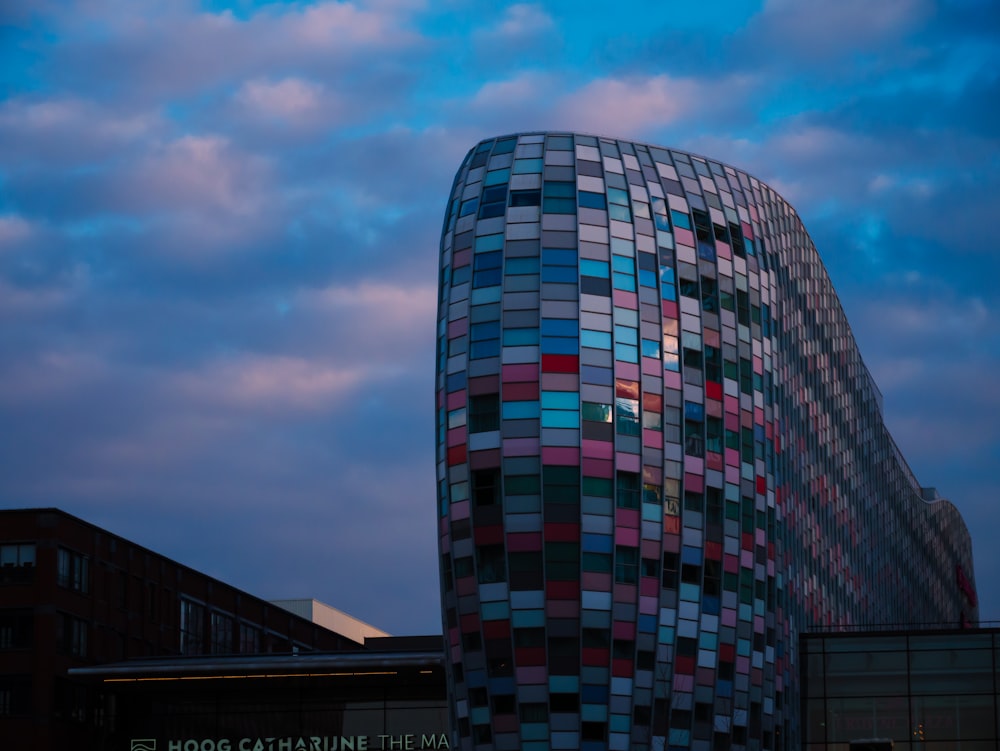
74	571
519	198
562	561
493	203
597	562
484	340
626	564
15	695
484	413
596	412
277	642
71	635
694	441
192	627
15	628
651	567
627	416
17	555
491	564
17	562
249	639
121	587
713	364
526	571
71	700
627	495
222	634
487	267
561	484
485	487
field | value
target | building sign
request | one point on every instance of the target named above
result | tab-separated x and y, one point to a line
403	742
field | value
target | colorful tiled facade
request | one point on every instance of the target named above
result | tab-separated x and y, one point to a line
660	456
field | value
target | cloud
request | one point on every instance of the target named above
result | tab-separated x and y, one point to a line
928	316
824	29
376	301
30	301
520	23
70	131
201	172
524	101
343	24
882	184
52	373
269	383
219	229
143	54
649	106
14	230
292	100
631	106
381	328
616	106
188	195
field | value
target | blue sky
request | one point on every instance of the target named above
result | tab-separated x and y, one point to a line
219	234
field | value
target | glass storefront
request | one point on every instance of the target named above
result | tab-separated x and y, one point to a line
924	691
320	707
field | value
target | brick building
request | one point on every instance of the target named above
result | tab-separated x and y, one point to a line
73	595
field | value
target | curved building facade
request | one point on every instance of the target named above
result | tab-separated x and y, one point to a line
660	456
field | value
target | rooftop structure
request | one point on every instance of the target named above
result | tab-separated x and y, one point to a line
332	619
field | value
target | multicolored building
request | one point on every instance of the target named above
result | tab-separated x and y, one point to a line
661	457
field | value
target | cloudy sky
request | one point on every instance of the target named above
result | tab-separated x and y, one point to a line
219	232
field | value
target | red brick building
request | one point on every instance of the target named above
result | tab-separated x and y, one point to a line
72	595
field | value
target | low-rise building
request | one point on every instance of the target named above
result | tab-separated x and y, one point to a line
74	595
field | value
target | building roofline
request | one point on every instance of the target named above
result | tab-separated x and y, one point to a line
311	664
196	572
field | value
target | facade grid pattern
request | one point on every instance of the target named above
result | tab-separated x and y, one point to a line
928	690
660	456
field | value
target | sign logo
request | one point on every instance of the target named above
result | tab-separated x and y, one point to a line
143	744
